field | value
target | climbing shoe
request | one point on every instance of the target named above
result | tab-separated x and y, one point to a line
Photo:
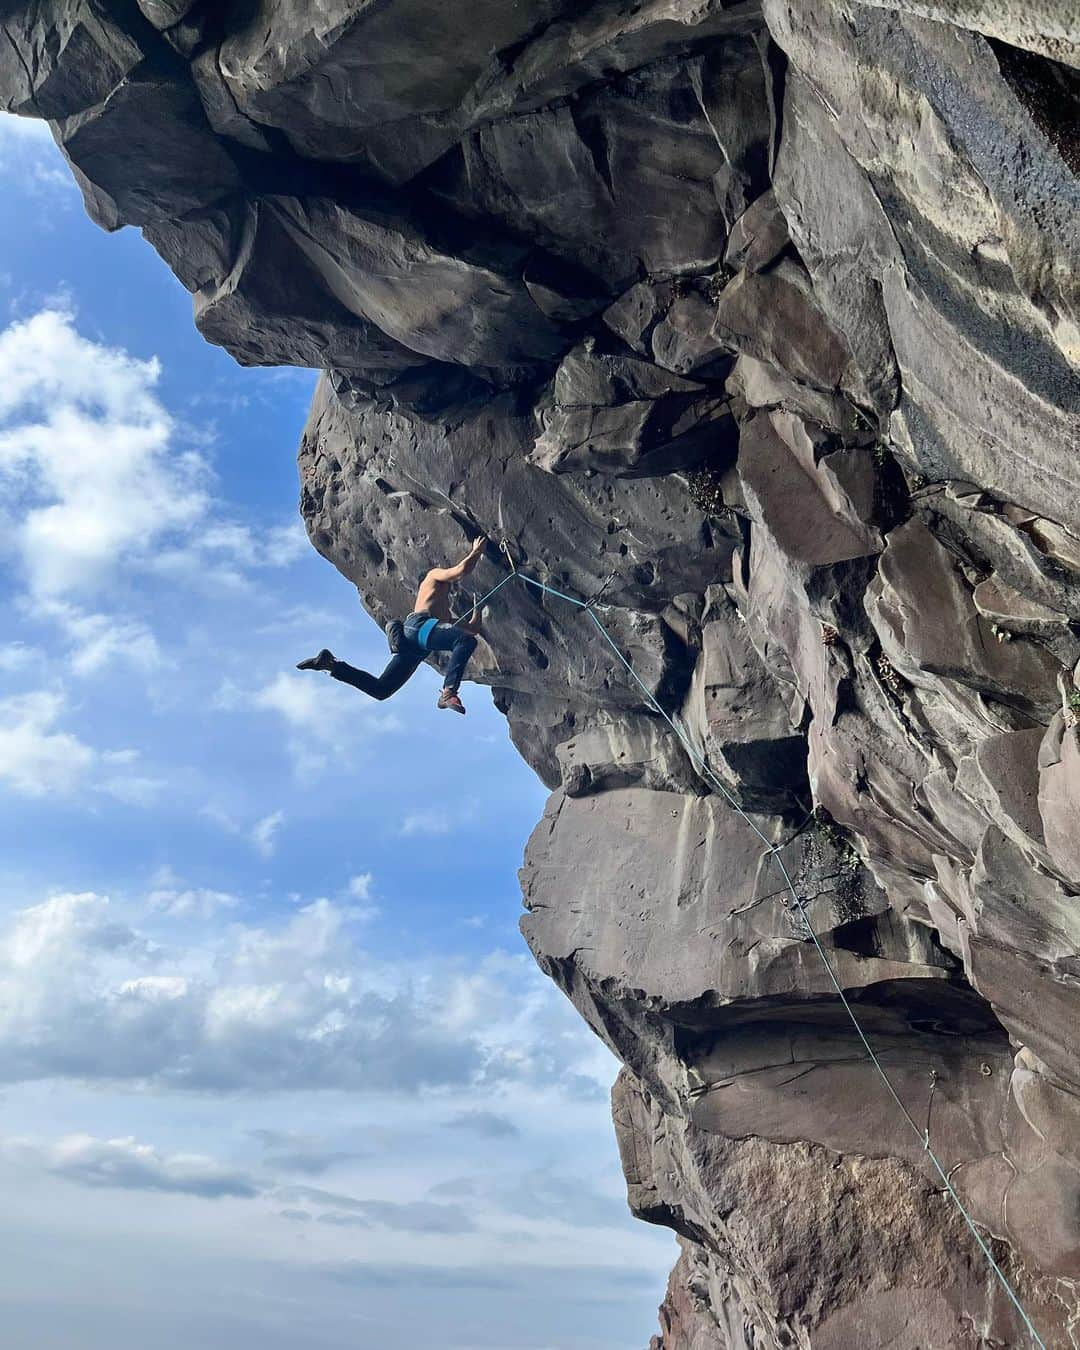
395	635
448	699
324	661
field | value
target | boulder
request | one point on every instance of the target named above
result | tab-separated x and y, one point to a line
756	326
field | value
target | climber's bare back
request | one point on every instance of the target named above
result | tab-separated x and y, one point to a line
433	597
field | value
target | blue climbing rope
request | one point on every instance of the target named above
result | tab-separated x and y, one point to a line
773	851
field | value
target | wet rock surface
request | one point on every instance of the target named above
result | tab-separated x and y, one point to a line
766	316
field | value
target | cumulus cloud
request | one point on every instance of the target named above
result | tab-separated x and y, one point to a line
294	1006
296	698
323	719
283	545
125	1164
63	928
86	456
36	758
277	546
98	640
99	481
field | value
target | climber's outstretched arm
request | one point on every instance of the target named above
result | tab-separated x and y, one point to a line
463	568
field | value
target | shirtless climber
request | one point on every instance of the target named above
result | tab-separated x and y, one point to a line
429	628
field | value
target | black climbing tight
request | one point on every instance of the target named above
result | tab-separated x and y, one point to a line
400	669
444	637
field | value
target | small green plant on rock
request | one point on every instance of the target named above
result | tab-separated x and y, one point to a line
831	835
823	823
850	860
1072	708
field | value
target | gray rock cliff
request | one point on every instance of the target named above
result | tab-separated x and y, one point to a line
771	310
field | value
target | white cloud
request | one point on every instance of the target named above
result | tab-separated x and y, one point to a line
300	620
86	457
35	758
116	758
191	903
124	1164
134	789
285	544
225	556
264	833
360	904
65	927
432	822
17	656
359	887
300	701
101	639
296	1006
156	988
28	149
313	705
277	546
38	759
98	474
325	720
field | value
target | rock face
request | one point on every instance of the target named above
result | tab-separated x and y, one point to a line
772	313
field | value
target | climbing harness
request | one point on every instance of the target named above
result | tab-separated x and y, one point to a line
774	852
424	632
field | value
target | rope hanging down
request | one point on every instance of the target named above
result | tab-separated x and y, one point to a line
773	851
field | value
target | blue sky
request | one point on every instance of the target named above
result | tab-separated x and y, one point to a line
275	1066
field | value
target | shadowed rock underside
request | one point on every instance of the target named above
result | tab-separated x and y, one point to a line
772	311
